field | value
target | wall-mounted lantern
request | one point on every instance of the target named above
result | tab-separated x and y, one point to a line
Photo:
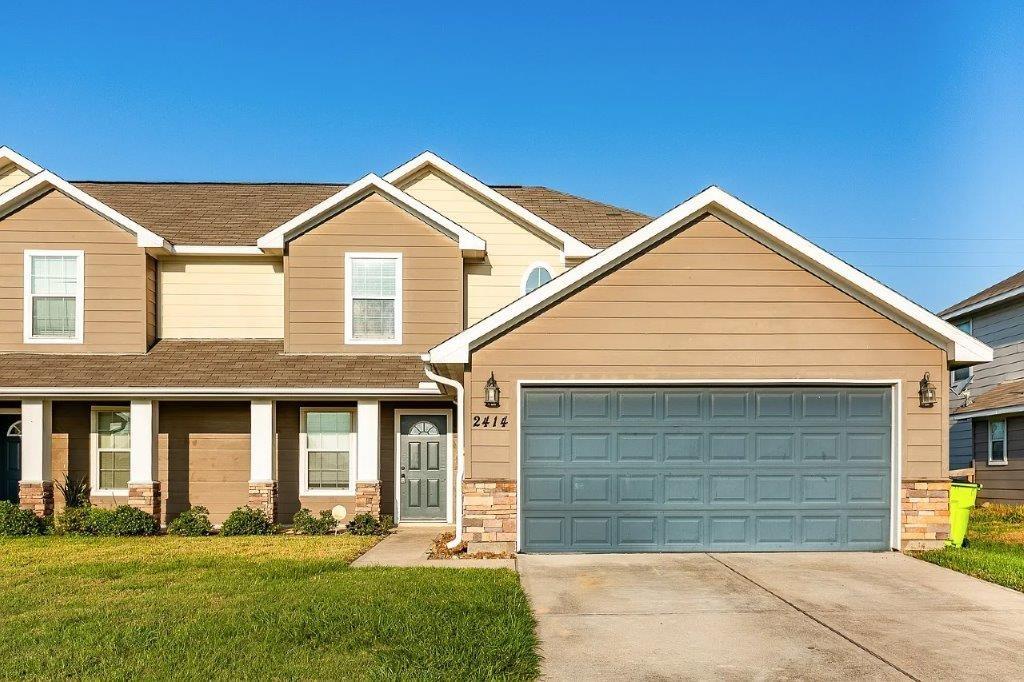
927	391
492	394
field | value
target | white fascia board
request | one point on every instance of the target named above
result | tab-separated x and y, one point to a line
41	182
200	250
178	391
358	190
984	303
9	155
571	247
991	412
961	347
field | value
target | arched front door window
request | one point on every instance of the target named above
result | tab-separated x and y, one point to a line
423	428
15	430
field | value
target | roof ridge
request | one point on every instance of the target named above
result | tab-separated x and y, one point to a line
213	182
578	196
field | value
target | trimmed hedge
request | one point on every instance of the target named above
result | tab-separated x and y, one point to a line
304	522
248	521
18	522
193	522
121	521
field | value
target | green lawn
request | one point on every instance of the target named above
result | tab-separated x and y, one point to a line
996	549
280	607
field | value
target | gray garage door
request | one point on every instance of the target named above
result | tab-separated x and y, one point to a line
638	469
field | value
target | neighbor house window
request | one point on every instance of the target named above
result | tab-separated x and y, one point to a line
537	275
997	441
111	449
54	298
964	372
327	452
373	298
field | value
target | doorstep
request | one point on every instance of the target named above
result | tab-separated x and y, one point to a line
410	545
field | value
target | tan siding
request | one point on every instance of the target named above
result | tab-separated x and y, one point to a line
315	275
511	248
204	457
221	298
115	275
71	425
152	300
672	314
11	175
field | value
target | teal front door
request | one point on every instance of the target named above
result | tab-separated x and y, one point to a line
423	462
10	456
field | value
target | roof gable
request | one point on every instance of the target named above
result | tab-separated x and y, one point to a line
571	246
961	348
8	155
1011	287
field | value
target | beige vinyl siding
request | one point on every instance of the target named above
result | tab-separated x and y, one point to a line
315	279
152	301
710	303
214	297
511	248
115	275
11	175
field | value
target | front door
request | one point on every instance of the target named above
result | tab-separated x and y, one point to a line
423	461
10	456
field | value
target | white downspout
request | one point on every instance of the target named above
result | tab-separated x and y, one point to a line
460	449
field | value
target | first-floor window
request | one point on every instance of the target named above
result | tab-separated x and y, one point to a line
327	451
54	296
997	441
111	435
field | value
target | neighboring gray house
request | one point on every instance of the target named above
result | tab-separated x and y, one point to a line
988	400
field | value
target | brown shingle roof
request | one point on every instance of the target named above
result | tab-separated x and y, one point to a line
1008	284
237	214
211	364
1006	394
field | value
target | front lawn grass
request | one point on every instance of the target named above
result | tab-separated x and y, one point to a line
996	547
281	607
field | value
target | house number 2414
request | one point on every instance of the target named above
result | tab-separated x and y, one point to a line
497	421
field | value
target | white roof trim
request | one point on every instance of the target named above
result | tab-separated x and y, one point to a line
200	250
369	184
990	412
10	156
984	303
571	247
41	182
156	391
960	347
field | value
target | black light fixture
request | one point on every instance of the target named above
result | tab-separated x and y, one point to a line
492	394
927	391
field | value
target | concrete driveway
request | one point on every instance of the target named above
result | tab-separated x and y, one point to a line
769	617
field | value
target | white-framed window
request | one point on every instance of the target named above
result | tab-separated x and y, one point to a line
111	441
997	442
327	451
54	296
963	373
373	298
536	275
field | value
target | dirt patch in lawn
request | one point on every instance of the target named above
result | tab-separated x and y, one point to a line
440	550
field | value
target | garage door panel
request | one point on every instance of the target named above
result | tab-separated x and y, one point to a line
804	469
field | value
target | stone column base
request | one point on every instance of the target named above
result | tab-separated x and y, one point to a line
36	497
263	496
368	498
924	514
489	516
145	496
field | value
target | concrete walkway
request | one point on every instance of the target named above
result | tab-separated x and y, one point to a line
410	545
770	616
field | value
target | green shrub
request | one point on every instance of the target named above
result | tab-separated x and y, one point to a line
365	524
387	523
247	521
121	521
304	522
75	491
15	521
192	522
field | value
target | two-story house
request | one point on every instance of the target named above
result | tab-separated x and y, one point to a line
546	372
987	431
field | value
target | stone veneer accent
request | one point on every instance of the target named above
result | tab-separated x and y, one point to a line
36	497
924	514
489	516
368	499
145	496
263	496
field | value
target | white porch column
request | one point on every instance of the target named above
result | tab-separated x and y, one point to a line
368	457
263	456
36	488
143	487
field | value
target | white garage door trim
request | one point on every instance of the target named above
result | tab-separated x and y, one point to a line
896	465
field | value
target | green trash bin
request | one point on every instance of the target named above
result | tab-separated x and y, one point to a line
961	499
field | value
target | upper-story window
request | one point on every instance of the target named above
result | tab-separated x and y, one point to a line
373	298
54	296
537	275
964	372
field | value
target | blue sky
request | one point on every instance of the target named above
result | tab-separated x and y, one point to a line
853	123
